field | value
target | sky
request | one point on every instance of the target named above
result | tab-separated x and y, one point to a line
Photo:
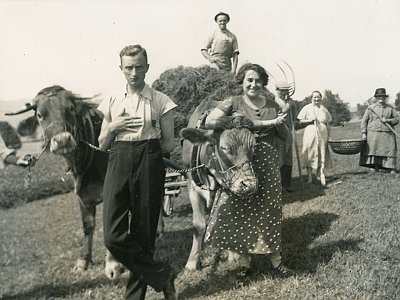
350	47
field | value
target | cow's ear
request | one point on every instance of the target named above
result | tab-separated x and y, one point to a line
196	136
28	126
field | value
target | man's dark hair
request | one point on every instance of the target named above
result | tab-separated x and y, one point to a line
257	68
133	50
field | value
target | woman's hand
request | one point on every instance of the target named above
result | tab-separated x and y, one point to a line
280	119
364	136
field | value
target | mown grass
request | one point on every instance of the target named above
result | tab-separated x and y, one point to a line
342	242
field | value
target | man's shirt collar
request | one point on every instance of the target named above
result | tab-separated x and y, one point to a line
145	93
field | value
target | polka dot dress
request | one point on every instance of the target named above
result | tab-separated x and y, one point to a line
252	224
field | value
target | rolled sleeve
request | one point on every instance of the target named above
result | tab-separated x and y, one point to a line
104	108
235	45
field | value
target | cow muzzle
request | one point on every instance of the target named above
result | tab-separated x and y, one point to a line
62	143
242	181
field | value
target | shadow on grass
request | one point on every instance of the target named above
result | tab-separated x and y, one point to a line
299	233
182	210
52	290
308	192
214	283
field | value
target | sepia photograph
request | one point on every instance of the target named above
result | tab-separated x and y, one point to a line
215	149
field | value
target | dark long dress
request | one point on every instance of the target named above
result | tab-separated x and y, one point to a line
381	147
252	224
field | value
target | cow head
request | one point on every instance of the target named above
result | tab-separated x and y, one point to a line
228	155
59	113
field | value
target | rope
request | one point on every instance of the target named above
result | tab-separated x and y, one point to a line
32	161
185	170
167	169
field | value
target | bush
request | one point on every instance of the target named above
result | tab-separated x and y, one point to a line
188	86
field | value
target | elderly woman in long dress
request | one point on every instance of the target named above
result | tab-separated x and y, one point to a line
315	139
376	127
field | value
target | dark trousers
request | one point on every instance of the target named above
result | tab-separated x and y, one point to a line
286	176
135	183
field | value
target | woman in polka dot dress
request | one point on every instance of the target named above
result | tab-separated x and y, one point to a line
252	225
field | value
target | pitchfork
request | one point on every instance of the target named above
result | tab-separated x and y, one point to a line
292	89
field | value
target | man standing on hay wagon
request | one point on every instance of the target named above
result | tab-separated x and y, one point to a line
380	151
221	48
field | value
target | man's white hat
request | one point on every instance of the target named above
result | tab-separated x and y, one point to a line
282	85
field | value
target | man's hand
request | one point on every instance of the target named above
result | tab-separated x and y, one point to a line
22	162
27	161
127	123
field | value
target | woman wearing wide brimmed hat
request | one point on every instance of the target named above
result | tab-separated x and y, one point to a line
221	49
380	151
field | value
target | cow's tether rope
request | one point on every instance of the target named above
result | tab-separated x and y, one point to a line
32	161
167	169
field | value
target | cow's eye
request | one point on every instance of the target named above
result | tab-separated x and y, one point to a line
40	115
227	150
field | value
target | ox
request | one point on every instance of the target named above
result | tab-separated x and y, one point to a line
70	126
219	159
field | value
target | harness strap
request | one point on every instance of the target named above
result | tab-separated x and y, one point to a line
84	135
195	160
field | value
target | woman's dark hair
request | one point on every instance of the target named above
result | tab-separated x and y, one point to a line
254	67
316	92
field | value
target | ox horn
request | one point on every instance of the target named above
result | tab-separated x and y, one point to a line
292	84
27	107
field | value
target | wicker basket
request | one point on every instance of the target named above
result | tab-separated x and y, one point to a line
347	147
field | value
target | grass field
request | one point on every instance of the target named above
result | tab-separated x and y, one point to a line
342	241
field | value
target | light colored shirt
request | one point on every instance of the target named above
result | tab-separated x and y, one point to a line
150	105
222	43
313	112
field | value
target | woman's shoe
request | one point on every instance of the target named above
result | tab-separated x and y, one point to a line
281	272
169	287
